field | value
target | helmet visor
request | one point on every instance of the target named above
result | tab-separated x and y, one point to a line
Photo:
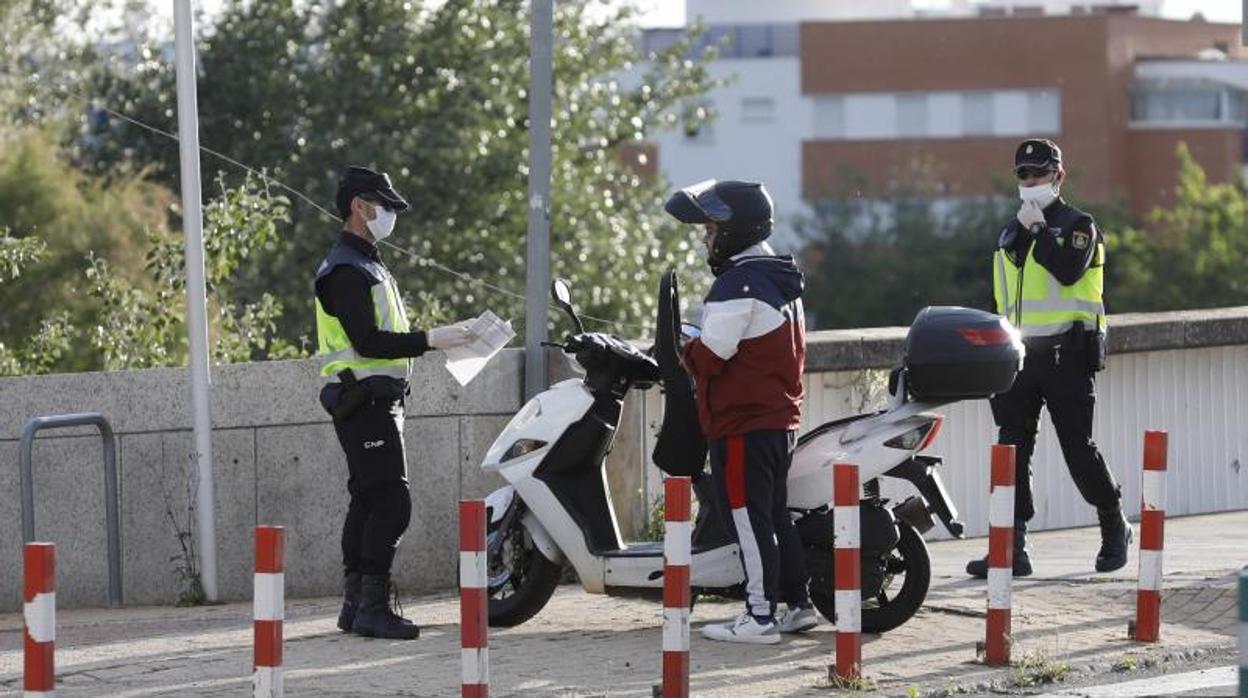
699	203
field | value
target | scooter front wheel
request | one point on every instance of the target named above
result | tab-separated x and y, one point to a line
521	579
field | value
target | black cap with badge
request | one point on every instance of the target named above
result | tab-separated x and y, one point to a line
1039	154
361	181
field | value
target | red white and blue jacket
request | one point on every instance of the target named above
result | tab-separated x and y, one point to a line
747	364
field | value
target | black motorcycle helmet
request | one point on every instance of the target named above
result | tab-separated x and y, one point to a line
741	210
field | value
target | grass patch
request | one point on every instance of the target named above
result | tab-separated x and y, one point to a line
1037	669
858	683
1130	662
653	531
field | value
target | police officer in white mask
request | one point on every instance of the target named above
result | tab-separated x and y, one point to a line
365	345
1048	280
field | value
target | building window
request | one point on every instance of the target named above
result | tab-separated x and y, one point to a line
1237	103
830	117
969	114
655	41
871	116
754	41
944	114
758	110
1009	113
912	119
1044	111
977	114
786	40
1178	103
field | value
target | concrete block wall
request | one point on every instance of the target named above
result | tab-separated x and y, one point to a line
276	460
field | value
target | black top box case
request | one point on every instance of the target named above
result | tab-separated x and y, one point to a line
955	353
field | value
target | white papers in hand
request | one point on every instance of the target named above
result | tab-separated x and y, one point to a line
492	334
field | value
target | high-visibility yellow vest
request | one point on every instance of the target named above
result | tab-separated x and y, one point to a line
1039	305
333	346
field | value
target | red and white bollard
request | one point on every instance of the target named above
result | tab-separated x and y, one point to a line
677	563
1000	555
39	611
847	542
1152	535
269	610
474	611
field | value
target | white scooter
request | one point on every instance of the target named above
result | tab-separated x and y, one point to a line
557	509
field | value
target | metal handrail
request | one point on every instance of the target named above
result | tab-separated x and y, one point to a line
110	486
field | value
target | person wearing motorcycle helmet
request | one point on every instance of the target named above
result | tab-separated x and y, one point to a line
747	365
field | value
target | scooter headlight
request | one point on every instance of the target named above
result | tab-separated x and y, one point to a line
522	447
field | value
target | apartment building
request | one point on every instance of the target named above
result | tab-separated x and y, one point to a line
829	99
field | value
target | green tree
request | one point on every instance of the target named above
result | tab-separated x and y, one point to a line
71	214
51	342
879	258
438	97
145	326
1192	254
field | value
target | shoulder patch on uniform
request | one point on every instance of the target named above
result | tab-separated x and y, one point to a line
1079	240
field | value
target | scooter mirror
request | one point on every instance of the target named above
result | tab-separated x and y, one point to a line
562	295
561	292
690	330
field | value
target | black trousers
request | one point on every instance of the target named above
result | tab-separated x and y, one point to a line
1062	377
381	503
751	473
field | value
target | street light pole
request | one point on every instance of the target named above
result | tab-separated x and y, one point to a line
196	301
541	87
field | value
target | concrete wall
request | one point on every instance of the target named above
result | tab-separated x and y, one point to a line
277	460
1185	373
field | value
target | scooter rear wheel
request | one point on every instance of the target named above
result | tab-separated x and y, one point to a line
522	580
891	606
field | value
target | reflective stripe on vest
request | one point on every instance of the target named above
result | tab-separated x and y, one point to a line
1039	305
334	347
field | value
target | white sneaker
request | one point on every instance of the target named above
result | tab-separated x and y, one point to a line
796	620
744	629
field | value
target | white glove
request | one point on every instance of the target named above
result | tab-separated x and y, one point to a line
457	335
1030	214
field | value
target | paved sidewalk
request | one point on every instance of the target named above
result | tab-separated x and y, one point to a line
593	645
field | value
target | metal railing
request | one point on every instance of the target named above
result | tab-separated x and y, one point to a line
110	486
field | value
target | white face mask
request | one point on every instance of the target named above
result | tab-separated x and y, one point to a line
382	224
1043	194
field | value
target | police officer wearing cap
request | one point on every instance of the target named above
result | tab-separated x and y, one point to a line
1048	280
365	344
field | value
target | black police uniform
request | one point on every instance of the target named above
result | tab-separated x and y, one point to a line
371	436
1058	371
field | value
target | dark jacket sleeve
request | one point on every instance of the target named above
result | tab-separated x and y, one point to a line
345	293
1068	255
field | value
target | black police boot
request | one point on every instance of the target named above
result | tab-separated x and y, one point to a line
1022	560
351	585
375	618
1116	537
